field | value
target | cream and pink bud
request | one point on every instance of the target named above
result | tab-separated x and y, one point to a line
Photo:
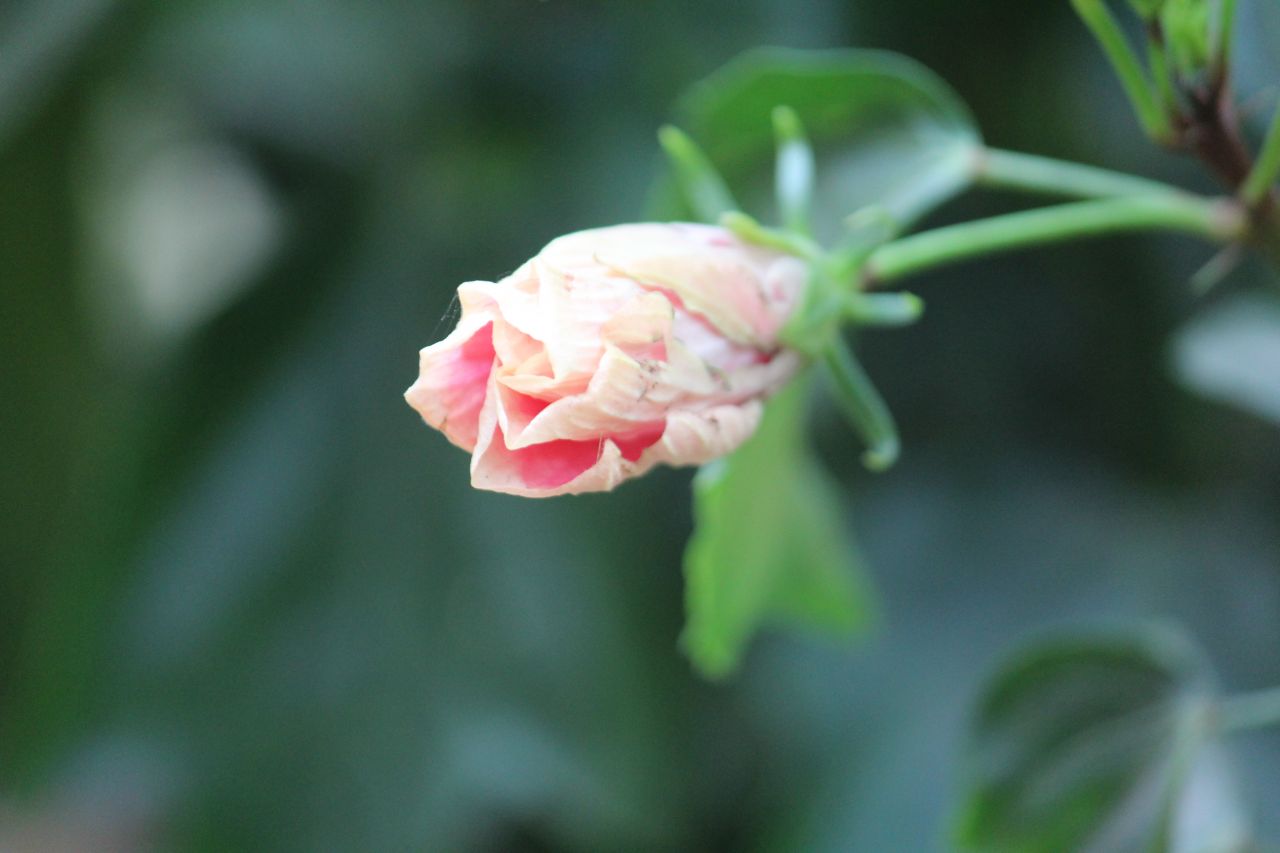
612	351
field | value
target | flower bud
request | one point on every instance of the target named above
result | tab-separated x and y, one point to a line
612	351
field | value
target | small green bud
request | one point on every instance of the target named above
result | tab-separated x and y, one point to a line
1188	31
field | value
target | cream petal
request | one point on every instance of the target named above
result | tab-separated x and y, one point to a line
695	438
725	290
745	291
643	327
548	469
544	387
515	297
537	472
625	394
574	307
567	468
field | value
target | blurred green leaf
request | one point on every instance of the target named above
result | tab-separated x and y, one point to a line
1232	354
888	131
770	544
1096	743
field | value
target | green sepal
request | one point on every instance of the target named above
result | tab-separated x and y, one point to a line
751	231
794	170
702	187
862	404
890	310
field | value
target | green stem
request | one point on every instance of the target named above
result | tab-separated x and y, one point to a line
882	309
1266	170
1029	173
1250	710
1158	61
1219	221
1128	68
1226	29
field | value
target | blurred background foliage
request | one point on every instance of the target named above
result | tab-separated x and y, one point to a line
249	602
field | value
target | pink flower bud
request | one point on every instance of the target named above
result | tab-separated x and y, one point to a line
612	351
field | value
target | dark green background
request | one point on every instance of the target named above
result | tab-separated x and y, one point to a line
247	601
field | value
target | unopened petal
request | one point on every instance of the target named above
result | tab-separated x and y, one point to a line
452	378
574	305
560	467
745	291
695	438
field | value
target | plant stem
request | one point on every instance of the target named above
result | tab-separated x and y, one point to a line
1250	710
1158	62
1128	68
1226	28
1220	221
1266	170
1029	173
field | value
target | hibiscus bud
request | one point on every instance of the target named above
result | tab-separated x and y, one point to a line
612	351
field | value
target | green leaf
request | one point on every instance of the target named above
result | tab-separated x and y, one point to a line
1097	744
770	546
887	131
883	309
1232	354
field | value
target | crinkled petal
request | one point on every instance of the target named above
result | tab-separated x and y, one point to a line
624	393
556	467
641	328
574	306
745	291
452	378
695	438
515	296
573	467
627	392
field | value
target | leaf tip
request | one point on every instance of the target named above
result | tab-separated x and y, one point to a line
786	124
883	455
672	138
713	660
